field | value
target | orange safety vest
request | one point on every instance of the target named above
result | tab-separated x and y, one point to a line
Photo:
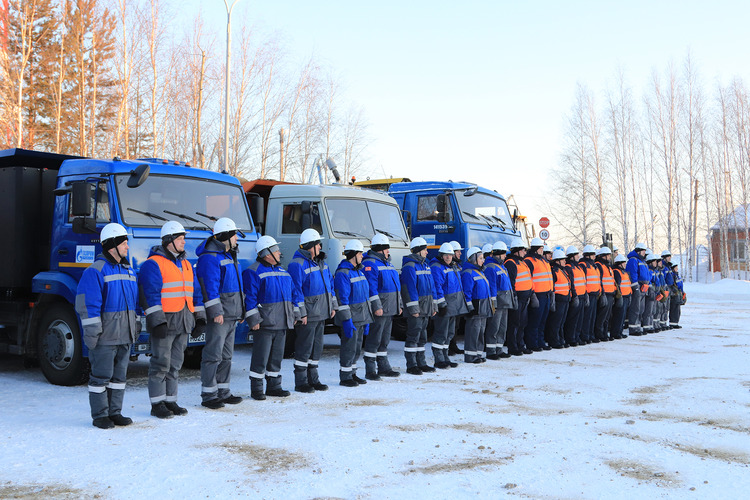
579	278
177	285
608	279
562	283
625	284
523	276
542	275
593	280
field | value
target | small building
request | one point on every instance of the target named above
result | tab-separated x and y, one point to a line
728	241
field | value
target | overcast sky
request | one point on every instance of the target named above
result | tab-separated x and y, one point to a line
478	90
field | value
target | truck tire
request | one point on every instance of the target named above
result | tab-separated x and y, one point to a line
59	346
193	357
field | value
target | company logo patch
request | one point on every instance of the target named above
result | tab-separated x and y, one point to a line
85	253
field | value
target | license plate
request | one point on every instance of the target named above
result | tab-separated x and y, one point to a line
202	338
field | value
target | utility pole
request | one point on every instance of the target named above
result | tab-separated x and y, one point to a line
226	82
282	173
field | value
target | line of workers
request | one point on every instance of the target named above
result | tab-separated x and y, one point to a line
511	301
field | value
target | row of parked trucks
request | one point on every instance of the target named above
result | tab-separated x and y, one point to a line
53	206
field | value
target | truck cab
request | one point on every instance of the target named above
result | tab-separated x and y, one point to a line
57	206
441	212
338	212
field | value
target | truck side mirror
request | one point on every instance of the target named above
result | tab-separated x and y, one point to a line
441	207
256	209
407	217
515	215
139	175
306	221
81	194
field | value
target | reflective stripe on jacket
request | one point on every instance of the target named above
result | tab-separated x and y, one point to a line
313	287
448	287
562	282
541	273
268	297
519	273
608	279
593	279
477	290
579	277
417	286
385	286
353	294
626	287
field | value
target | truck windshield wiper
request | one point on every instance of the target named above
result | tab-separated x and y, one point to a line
390	235
209	217
487	220
348	233
212	218
471	215
500	221
187	217
147	214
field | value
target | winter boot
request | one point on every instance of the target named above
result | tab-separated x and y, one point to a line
371	368
159	410
103	423
312	377
175	408
384	368
422	363
120	421
256	389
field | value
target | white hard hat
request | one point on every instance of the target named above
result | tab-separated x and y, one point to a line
666	253
417	242
536	242
264	243
589	249
472	251
571	250
620	258
517	243
446	248
640	246
546	249
614	248
651	256
354	246
558	254
224	225
172	228
456	245
487	248
380	239
500	246
309	235
603	251
112	230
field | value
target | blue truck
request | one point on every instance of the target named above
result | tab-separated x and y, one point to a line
52	208
445	211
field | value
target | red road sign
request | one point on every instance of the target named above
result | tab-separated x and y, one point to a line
544	222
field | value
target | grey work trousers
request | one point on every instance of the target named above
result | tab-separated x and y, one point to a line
635	311
443	328
494	333
308	347
416	338
167	355
109	370
349	352
474	338
216	362
376	344
268	352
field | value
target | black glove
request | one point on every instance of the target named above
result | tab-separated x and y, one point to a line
199	329
576	302
534	301
442	309
160	331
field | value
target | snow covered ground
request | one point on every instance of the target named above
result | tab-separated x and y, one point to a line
664	415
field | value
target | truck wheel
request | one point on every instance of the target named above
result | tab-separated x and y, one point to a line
59	346
193	356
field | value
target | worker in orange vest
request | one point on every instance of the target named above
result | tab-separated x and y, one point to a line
520	279
553	331
173	303
593	291
622	298
541	279
574	318
607	297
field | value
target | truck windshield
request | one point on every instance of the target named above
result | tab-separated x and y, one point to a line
485	208
149	205
363	218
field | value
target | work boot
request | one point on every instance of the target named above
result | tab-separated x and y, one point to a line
390	373
349	383
318	386
231	400
120	421
175	408
277	393
427	368
422	363
372	376
442	365
384	368
452	364
371	368
306	388
211	404
159	410
358	380
103	423
493	357
258	396
414	370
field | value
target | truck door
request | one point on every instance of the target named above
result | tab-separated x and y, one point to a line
294	220
427	224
